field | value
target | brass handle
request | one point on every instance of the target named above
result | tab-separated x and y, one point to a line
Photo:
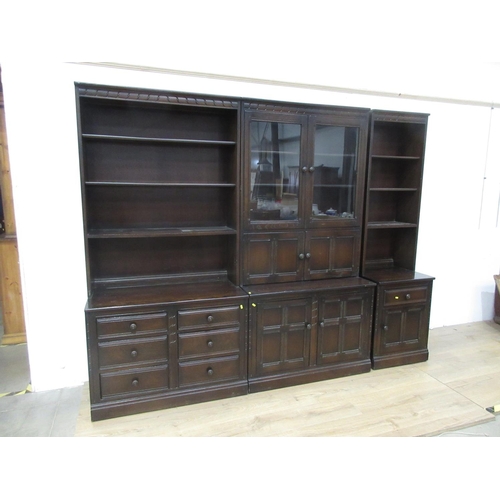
133	327
135	382
210	319
210	371
134	353
210	343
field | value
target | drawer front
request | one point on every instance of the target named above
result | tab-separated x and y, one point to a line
195	319
127	352
208	371
208	343
406	295
113	384
131	324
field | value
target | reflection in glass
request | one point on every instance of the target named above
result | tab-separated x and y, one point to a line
335	158
275	160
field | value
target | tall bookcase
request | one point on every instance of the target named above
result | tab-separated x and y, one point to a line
393	194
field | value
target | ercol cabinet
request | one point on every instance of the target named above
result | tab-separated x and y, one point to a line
224	243
395	171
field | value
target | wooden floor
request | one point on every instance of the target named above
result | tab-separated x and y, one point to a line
450	391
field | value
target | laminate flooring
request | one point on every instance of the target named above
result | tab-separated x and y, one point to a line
445	396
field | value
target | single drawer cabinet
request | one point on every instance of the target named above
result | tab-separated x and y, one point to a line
401	329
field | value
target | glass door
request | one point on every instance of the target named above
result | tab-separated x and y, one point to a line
334	175
275	156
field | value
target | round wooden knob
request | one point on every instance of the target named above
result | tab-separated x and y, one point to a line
210	343
133	327
134	353
210	371
210	318
135	382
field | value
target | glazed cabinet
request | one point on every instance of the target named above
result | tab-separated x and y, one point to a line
303	177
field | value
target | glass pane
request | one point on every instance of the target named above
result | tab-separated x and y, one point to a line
275	160
335	159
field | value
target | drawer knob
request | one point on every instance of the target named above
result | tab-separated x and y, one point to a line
308	255
135	382
301	256
408	296
311	169
134	353
308	326
210	318
210	371
210	343
133	327
385	328
304	169
322	324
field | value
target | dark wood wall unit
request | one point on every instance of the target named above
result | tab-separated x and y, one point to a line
392	209
226	239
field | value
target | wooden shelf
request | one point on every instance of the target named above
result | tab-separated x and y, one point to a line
160	184
161	232
395	157
390	225
190	142
396	190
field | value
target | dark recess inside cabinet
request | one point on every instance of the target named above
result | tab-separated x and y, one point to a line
235	246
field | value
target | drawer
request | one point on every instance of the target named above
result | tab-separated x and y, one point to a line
138	351
131	324
208	371
406	295
208	343
192	319
130	382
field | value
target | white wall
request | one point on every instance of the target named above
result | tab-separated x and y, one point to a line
459	240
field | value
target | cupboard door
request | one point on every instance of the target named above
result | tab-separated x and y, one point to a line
334	172
274	157
332	254
273	257
344	332
281	336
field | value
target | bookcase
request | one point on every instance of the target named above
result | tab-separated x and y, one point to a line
235	246
393	194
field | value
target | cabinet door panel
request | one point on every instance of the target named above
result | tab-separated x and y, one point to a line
403	328
344	327
273	257
281	336
332	254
